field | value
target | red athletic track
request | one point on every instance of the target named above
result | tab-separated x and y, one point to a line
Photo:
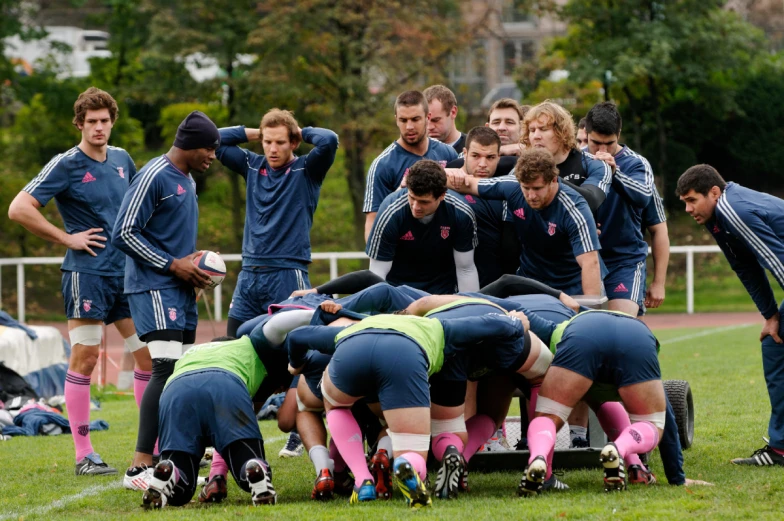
207	330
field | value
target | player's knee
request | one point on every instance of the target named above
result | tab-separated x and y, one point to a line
89	335
558	412
309	404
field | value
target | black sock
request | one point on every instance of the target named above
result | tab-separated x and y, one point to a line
162	369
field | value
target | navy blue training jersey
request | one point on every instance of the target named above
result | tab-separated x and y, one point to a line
88	195
553	237
157	223
749	228
489	223
387	171
422	254
620	215
653	214
279	204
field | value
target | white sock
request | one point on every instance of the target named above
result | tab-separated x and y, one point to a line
319	455
386	444
576	431
276	328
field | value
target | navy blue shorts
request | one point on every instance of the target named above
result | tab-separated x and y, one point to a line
626	281
203	408
314	372
94	297
376	363
609	348
257	288
169	308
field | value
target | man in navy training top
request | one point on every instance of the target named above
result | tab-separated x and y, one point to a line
386	172
624	249
498	251
749	229
654	220
157	227
442	105
425	236
88	183
282	192
554	223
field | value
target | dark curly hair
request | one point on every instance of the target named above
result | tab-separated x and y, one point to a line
426	177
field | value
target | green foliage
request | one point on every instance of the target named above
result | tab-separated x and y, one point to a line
172	116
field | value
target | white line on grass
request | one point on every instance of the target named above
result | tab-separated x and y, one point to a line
707	332
89	491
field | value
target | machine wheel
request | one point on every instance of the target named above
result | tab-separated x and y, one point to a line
679	394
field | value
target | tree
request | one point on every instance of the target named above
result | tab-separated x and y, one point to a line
342	63
660	54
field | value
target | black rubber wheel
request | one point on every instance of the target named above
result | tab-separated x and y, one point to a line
679	394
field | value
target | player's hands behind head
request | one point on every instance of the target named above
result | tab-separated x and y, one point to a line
86	240
456	179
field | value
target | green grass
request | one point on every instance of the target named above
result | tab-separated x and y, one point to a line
723	368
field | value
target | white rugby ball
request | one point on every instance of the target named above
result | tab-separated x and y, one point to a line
211	263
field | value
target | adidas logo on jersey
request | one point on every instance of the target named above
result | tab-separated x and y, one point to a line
519	213
88	178
180	190
620	289
408	236
470	199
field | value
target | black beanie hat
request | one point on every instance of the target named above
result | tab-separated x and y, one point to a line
197	131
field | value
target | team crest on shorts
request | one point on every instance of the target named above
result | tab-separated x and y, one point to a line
550	229
172	314
87	304
121	172
445	232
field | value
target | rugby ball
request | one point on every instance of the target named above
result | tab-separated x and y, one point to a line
212	264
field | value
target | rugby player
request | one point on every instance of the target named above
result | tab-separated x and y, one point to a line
624	249
554	223
156	228
282	192
207	402
386	172
505	117
425	220
596	361
442	106
748	228
550	126
88	183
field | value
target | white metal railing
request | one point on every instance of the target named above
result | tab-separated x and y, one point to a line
332	257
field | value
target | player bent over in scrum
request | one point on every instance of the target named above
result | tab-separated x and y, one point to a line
207	401
390	357
601	355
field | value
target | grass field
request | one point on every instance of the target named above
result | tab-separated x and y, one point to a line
723	367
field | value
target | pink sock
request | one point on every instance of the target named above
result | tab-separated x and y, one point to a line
218	466
532	401
778	451
334	454
77	403
638	438
418	462
140	381
444	440
480	428
541	440
614	419
155	449
348	438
